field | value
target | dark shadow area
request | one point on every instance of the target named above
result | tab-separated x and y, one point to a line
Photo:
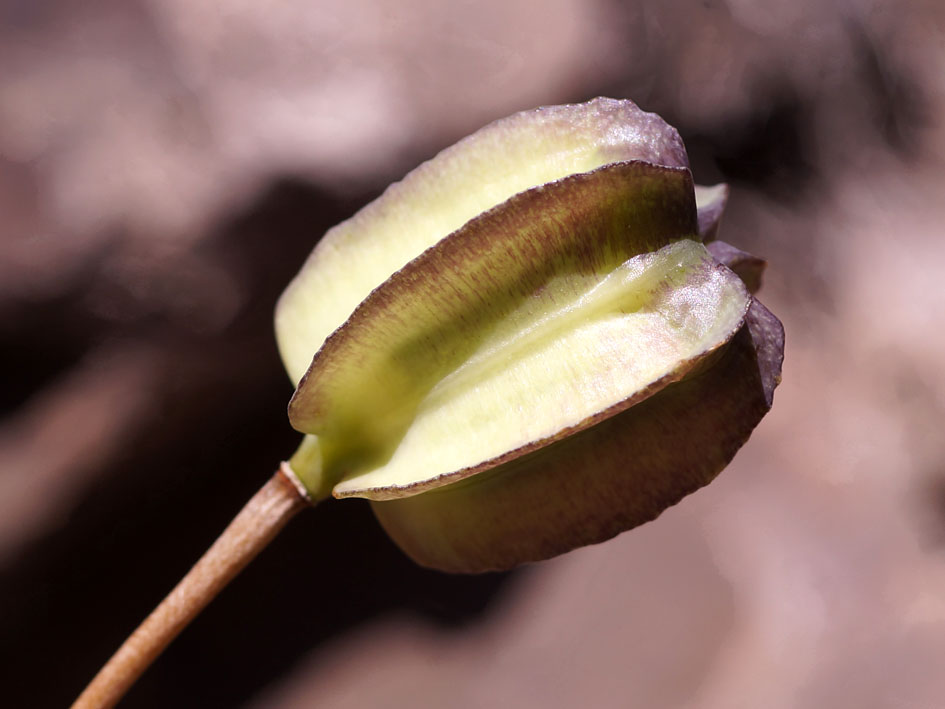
217	430
769	146
41	340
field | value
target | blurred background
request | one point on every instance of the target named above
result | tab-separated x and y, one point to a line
166	165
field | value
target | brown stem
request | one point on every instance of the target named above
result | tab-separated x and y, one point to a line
251	530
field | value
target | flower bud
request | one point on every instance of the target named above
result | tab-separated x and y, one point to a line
524	346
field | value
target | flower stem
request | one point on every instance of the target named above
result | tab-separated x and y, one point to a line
251	530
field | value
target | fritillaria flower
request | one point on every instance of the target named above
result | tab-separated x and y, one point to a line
531	343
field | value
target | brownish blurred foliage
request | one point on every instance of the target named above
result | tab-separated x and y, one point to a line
166	165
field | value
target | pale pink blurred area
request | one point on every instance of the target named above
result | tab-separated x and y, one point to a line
157	117
166	166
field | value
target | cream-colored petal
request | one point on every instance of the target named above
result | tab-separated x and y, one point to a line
481	171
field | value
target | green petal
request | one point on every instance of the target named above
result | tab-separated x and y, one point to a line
609	478
537	319
481	171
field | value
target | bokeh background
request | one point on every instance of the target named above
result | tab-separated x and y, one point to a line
165	165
